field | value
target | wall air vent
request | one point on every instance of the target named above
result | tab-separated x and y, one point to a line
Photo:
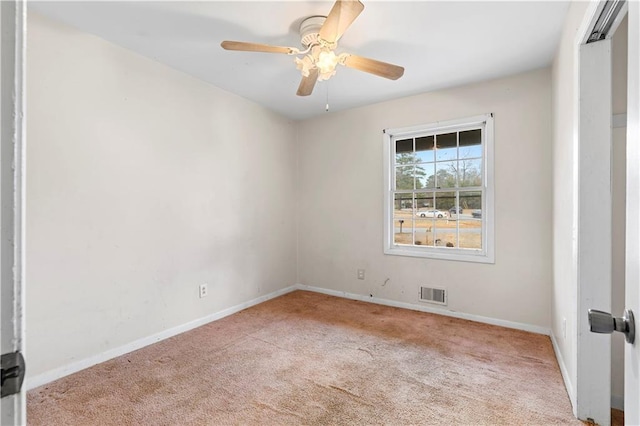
433	295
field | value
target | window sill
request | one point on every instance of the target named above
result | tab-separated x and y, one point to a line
441	254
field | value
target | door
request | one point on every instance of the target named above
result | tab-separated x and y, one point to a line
593	384
12	27
594	289
632	291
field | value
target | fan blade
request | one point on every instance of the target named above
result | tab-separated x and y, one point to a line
342	15
379	68
307	83
254	47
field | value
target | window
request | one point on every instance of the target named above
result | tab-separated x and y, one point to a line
439	190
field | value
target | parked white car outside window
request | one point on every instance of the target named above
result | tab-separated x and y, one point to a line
432	213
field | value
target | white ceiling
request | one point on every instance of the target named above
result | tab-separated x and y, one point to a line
440	43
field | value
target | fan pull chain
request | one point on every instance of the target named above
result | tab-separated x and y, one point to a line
326	109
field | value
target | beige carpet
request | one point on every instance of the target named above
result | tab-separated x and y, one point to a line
307	358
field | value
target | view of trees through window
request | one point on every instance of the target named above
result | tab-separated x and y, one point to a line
438	190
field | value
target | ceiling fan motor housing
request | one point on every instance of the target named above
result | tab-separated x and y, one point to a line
310	28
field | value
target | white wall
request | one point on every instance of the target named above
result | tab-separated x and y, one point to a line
565	133
341	202
142	184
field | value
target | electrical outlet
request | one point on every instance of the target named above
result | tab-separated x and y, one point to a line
564	328
204	291
361	274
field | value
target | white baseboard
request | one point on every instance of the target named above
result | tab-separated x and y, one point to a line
617	402
430	309
50	376
565	374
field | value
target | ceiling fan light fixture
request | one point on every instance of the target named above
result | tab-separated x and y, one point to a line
326	75
327	61
323	60
305	65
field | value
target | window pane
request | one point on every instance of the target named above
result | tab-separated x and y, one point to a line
471	144
424	205
446	174
445	201
402	203
446	147
403	218
423	200
470	222
444	230
404	177
422	233
444	236
470	200
470	173
402	231
404	146
470	233
424	217
425	175
424	149
456	208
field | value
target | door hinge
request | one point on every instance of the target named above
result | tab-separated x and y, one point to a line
13	369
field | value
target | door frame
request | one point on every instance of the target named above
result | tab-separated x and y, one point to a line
632	270
12	172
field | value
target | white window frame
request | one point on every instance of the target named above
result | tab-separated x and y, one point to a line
484	255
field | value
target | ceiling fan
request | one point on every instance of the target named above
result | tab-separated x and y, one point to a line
320	35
